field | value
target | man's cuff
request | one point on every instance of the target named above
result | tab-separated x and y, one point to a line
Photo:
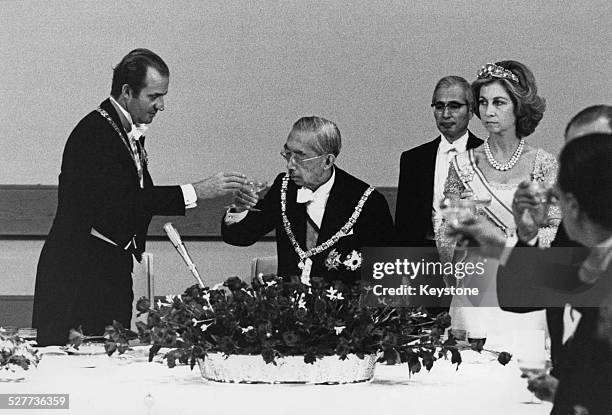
233	217
189	196
510	244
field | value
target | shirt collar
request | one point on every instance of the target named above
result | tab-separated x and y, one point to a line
305	195
459	144
133	130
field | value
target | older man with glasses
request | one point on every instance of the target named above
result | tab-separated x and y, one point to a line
322	215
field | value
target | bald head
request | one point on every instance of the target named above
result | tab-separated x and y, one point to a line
591	120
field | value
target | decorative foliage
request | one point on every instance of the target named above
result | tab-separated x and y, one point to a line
287	318
16	353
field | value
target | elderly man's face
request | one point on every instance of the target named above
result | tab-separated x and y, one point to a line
144	106
312	172
451	111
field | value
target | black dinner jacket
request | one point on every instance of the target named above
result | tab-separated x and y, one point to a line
413	222
99	188
583	365
374	227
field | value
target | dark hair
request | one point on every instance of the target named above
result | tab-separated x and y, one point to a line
591	114
453	80
132	70
585	172
529	107
329	140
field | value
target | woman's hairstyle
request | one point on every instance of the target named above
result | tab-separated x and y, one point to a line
520	84
585	172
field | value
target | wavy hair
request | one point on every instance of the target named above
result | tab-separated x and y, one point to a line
529	107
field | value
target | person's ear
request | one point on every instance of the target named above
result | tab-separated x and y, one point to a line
330	159
126	91
572	207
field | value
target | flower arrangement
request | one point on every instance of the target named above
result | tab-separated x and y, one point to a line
16	354
279	318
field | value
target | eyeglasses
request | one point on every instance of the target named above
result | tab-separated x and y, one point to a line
452	106
288	156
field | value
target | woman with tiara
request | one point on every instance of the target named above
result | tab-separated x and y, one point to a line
509	108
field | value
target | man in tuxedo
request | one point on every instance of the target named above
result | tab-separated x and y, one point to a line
322	215
424	169
571	291
106	199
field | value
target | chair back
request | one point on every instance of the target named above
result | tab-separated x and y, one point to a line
263	266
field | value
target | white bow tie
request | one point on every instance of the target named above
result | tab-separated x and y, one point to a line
304	195
138	130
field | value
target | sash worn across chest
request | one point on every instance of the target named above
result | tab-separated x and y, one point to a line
473	179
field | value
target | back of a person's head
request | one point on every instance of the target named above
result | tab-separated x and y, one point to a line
585	172
590	116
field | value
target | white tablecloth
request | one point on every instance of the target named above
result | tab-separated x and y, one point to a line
103	385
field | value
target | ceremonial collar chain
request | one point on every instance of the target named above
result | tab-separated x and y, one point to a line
507	165
331	241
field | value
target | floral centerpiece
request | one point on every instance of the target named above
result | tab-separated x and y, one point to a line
16	356
277	319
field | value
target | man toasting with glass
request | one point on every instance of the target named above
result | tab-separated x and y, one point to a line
322	215
106	199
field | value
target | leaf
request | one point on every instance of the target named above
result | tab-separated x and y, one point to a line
414	365
153	351
455	356
428	359
110	347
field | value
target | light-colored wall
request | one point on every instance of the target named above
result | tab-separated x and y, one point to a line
243	71
216	262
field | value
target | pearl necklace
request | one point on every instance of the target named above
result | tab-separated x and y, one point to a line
510	163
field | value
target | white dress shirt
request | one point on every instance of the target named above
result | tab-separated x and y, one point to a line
446	152
316	202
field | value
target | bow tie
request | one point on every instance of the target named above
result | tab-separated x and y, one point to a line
138	131
304	195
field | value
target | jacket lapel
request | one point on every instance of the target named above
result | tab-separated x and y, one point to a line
338	208
122	141
473	141
428	169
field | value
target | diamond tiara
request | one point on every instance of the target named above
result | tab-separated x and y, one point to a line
496	71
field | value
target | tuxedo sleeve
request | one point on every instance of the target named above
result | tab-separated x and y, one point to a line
96	170
255	224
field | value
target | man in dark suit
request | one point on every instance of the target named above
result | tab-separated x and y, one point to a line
572	292
423	169
322	215
105	202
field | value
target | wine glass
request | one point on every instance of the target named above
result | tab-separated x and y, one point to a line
547	211
255	186
532	358
532	368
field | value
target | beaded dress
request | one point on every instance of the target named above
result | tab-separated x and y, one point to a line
498	326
